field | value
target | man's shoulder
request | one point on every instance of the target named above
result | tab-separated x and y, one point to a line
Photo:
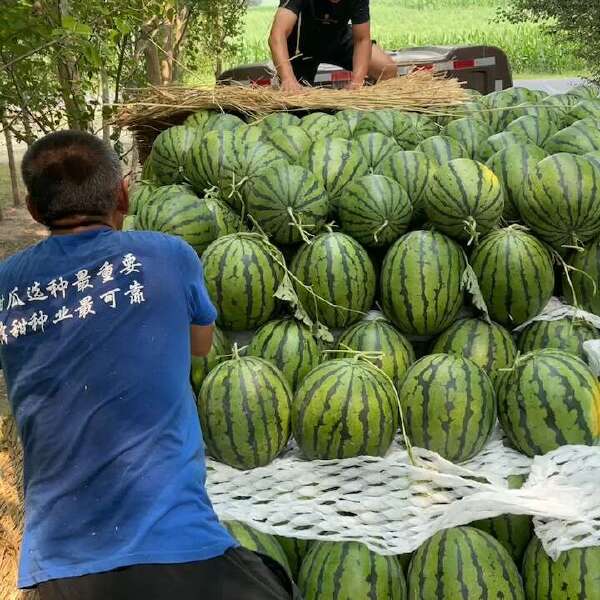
153	239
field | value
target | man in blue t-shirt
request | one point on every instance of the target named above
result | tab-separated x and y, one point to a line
97	328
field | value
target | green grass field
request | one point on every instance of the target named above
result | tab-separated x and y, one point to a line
404	23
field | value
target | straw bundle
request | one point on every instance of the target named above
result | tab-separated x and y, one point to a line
155	109
11	511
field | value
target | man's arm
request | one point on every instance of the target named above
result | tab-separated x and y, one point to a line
362	54
201	337
283	25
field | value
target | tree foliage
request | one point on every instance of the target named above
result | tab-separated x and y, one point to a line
576	22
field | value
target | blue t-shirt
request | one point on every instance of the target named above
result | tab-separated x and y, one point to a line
95	347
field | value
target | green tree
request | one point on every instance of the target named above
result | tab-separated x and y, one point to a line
576	22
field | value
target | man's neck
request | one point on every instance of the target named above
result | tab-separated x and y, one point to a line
75	225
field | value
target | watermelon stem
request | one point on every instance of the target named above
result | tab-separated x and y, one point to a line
471	230
379	230
567	268
307	238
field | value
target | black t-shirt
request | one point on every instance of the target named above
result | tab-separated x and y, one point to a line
329	14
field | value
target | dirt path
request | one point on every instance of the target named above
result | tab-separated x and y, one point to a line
17	231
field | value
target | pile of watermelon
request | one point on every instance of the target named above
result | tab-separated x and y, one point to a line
307	224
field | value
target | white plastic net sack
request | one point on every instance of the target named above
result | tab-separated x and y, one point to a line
393	506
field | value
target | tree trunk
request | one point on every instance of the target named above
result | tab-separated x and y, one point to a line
29	135
12	165
105	106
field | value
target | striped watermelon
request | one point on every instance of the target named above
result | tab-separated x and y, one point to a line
497	142
515	274
290	346
532	129
391	123
295	551
449	406
550	399
339	272
350	117
464	199
543	112
158	196
583	110
421	277
561	200
512	96
278	121
203	365
376	147
422	126
579	138
442	149
129	223
488	345
141	194
244	406
594	157
469	132
222	122
319	125
574	575
514	532
463	563
147	172
378	335
248	134
587	91
350	571
199	221
585	279
257	541
567	335
200	119
344	408
282	195
375	210
169	152
335	163
292	141
412	171
562	103
242	276
512	166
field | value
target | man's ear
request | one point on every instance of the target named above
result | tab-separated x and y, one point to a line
33	211
123	200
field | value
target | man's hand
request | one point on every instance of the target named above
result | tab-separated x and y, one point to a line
355	85
291	86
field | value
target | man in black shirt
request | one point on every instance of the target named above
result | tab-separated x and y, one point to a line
306	33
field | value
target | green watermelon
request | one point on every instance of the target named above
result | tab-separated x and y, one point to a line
470	132
295	551
463	563
497	142
550	399
421	290
249	134
243	272
423	127
278	121
199	221
442	149
585	279
344	408
141	194
543	112
129	223
593	157
579	138
158	196
561	200
583	110
244	406
292	141
449	406
567	335
350	571
515	274
374	210
148	173
532	129
378	335
587	91
222	122
283	195
335	163
391	123
562	103
514	532
412	171
203	365
503	105
290	346
200	119
464	199
512	166
350	117
488	345
341	276
257	541
169	152
320	125
573	576
376	147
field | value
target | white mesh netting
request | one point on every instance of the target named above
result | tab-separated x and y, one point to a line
394	506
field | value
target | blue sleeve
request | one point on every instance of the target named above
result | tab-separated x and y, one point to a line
360	12
201	309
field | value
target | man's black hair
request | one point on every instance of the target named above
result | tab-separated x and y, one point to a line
70	173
